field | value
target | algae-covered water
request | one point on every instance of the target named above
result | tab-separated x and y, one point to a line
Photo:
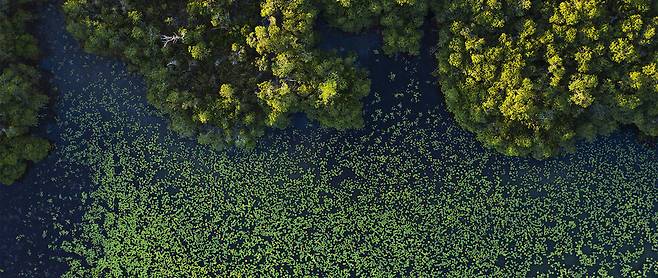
410	194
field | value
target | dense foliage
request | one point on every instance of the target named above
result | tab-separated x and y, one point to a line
21	97
226	69
400	20
532	77
529	77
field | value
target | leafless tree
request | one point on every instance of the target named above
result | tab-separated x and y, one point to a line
172	63
170	39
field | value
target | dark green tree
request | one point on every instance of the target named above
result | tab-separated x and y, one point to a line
400	20
225	70
21	98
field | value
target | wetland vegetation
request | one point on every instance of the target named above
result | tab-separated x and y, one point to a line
214	138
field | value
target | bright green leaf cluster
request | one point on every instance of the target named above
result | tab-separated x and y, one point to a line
532	77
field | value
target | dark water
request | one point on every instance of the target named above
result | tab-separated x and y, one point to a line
50	192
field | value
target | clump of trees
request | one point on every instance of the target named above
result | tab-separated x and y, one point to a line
528	78
400	21
225	70
21	97
531	77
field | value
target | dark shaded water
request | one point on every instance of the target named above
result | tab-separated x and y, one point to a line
50	192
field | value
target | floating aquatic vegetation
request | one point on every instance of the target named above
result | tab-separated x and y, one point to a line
410	194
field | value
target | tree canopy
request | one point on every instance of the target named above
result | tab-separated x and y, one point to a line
528	77
21	97
532	77
399	20
224	70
